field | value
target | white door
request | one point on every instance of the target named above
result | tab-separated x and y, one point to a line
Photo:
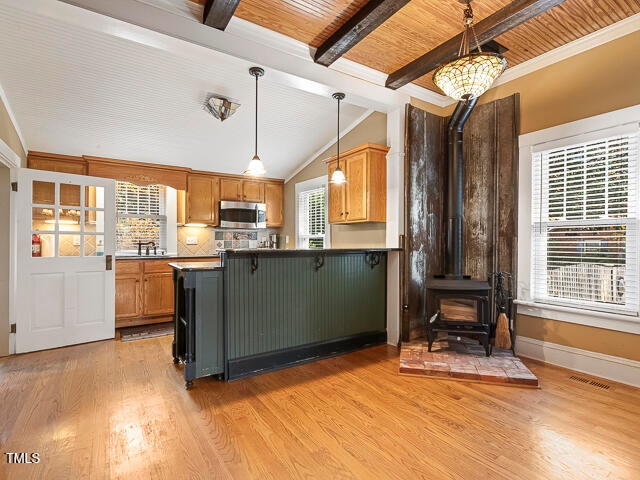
65	292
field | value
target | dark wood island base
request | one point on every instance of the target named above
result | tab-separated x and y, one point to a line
262	310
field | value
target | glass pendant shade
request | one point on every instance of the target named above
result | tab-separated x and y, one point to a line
256	167
472	73
338	176
221	107
469	76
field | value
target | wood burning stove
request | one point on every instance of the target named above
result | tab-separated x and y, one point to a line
459	307
455	303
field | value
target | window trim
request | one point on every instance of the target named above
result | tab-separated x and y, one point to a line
312	184
544	140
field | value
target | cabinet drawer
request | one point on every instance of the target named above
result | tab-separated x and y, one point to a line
157	266
128	266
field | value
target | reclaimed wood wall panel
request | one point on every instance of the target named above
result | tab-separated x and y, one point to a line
490	196
425	180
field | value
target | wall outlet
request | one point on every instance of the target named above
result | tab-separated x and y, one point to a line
76	240
192	240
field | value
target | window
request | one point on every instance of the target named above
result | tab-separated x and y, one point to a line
311	209
141	216
585	223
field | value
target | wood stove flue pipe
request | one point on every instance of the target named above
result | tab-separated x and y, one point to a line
453	250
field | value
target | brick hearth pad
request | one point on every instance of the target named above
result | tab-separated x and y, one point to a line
464	359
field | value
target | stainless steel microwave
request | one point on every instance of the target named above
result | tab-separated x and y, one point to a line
243	215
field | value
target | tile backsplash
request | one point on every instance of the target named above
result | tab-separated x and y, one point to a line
208	240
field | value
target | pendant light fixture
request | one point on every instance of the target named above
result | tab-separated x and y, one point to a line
471	74
338	175
256	167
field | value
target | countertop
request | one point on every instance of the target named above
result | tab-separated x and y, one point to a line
195	266
304	251
163	257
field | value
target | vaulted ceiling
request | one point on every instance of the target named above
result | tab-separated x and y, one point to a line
127	78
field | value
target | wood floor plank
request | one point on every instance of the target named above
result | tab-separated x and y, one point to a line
119	410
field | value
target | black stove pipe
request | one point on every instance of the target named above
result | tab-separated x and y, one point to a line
453	250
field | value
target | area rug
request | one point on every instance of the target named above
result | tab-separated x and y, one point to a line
146	331
458	358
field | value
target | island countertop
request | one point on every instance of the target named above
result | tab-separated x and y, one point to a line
304	251
196	266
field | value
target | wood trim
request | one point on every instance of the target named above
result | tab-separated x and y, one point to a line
364	146
218	13
514	14
237	177
366	20
138	172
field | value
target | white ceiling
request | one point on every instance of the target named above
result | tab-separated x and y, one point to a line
80	83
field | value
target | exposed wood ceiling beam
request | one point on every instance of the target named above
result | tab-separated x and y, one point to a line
494	25
218	13
365	21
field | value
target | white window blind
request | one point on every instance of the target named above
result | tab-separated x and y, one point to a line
141	215
312	218
585	225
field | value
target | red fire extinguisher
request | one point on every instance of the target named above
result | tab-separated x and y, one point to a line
35	245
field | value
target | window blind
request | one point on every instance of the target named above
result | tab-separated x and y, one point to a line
141	215
312	218
585	225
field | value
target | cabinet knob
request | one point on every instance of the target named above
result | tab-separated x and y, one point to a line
346	213
341	213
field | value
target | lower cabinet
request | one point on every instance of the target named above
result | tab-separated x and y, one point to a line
144	292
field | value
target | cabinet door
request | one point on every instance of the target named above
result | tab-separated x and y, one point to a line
336	198
128	304
43	192
158	294
274	198
230	189
252	191
200	199
356	187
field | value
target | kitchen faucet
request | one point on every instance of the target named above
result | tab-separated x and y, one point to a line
140	244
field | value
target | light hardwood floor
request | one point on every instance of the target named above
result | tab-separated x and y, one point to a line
119	410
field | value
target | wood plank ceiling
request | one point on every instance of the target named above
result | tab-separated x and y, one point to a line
421	25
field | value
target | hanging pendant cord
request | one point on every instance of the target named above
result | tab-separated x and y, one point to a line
338	141
256	139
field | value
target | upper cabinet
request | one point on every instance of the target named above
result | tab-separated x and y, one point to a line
203	199
364	197
241	190
274	198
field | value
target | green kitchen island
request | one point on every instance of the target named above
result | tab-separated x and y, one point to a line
263	310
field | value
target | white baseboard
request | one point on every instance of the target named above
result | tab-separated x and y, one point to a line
613	368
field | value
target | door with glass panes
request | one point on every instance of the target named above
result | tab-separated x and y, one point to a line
65	242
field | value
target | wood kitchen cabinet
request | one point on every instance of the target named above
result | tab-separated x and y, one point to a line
274	199
364	197
128	293
157	288
202	199
241	190
144	291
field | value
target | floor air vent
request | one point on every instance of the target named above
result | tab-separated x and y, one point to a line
604	386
